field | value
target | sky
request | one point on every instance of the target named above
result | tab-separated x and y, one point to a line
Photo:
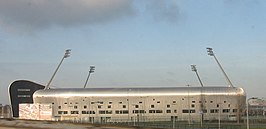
133	43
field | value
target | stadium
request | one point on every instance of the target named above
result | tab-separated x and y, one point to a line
100	105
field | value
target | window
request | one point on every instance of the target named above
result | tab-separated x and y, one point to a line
187	111
75	107
217	105
59	107
224	101
229	105
124	106
136	106
121	112
62	112
214	110
138	111
168	111
151	111
109	106
158	102
110	102
120	102
192	105
99	106
152	106
85	106
109	112
174	101
101	112
226	110
175	111
193	101
211	101
159	111
234	110
74	112
140	102
168	106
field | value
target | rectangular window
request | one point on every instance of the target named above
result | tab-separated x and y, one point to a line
59	107
60	112
168	106
121	112
152	106
75	107
109	112
92	112
193	101
110	102
74	112
140	102
84	112
234	110
159	111
124	106
136	106
151	111
226	110
99	106
138	111
192	105
187	111
158	102
214	110
102	112
109	106
168	111
85	106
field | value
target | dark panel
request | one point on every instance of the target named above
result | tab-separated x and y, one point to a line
21	91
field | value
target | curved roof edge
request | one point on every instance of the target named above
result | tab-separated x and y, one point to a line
149	91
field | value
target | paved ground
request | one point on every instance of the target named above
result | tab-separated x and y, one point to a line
27	124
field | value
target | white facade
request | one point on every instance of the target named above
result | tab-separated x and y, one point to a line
143	104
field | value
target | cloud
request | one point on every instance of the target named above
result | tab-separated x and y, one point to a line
163	10
40	14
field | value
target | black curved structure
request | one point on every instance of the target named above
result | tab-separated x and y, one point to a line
21	91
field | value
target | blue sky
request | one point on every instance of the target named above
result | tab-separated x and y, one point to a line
133	43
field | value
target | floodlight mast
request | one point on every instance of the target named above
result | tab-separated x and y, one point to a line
193	68
211	53
92	68
67	54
